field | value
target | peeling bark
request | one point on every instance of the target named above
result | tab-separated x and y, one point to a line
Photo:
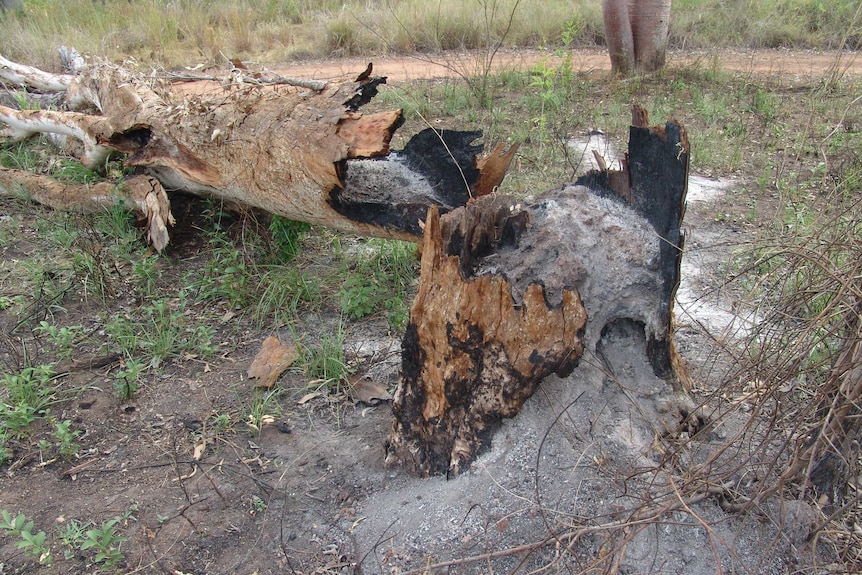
141	194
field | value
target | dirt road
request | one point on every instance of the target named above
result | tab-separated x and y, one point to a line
788	63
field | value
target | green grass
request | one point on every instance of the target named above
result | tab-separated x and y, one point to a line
162	329
379	278
26	398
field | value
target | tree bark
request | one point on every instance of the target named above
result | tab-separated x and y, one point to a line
636	32
510	293
619	36
304	153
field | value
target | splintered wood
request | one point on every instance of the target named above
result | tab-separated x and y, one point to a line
472	355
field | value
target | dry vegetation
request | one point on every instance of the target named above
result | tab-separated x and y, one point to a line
176	32
73	285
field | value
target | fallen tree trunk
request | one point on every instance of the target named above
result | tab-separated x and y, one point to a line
510	293
296	149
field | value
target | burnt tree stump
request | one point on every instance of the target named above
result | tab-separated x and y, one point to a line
511	292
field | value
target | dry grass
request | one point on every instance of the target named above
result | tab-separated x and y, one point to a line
176	32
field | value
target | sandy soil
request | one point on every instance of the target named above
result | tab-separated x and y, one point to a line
785	63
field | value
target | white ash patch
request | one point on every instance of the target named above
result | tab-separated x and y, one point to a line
584	150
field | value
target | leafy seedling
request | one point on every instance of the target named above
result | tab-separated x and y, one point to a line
30	542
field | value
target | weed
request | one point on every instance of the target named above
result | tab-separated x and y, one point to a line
28	395
380	280
72	171
162	334
145	270
360	298
258	505
9	227
122	331
63	338
30	542
5	451
115	225
282	290
106	541
21	156
263	409
287	235
325	363
163	330
72	534
126	379
221	423
226	276
66	438
90	270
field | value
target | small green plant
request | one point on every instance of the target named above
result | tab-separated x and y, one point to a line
221	423
162	330
126	379
360	298
23	102
287	236
66	438
226	277
380	281
116	227
63	338
6	302
282	290
5	452
325	364
258	505
67	170
72	534
31	542
146	274
106	541
263	409
28	395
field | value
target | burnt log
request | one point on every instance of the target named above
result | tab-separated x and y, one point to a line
513	291
298	149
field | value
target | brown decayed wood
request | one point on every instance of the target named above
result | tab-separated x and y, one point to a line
368	136
472	355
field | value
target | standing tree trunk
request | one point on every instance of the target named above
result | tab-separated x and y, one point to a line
636	32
